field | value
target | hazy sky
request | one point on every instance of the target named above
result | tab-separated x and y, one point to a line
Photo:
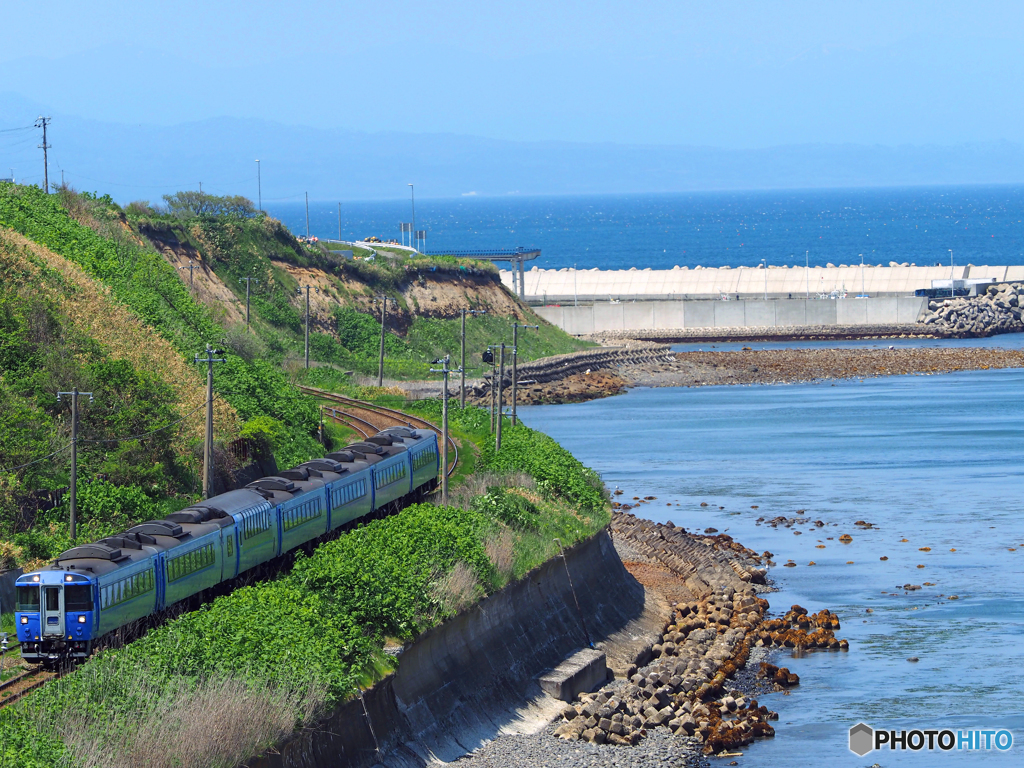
725	74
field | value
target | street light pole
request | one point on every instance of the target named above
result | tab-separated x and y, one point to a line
807	271
259	185
74	455
863	292
575	295
515	367
951	273
412	192
765	263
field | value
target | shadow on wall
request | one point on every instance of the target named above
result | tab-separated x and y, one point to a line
459	684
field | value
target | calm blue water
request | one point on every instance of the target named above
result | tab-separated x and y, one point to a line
983	225
936	460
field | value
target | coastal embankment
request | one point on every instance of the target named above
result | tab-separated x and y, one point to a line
607	376
673	615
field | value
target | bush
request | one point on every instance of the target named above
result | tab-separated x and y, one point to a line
509	507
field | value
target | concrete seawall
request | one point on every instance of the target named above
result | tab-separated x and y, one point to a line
673	315
476	676
561	285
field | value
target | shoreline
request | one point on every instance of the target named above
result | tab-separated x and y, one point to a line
768	367
693	694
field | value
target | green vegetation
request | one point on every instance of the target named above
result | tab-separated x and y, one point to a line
323	625
42	352
271	654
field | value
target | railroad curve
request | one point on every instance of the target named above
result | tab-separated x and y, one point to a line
378	417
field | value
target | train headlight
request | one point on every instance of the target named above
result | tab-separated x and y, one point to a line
81	619
69	577
35	578
24	619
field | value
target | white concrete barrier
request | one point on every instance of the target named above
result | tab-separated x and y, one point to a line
561	285
774	313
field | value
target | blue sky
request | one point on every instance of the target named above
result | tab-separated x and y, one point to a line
723	74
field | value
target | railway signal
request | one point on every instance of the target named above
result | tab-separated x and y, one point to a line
515	368
462	365
74	453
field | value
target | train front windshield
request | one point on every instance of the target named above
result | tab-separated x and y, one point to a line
27	600
77	597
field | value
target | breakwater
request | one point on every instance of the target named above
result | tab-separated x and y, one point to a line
551	286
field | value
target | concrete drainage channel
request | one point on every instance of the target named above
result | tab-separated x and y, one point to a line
506	665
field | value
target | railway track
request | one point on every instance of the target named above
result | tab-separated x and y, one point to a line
377	417
14	688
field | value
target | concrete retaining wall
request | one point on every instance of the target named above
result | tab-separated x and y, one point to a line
672	315
560	285
458	685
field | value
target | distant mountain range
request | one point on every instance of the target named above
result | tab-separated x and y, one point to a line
143	161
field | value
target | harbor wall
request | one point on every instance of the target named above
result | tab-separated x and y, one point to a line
562	285
601	317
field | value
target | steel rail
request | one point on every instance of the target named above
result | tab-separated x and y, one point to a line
390	413
348	420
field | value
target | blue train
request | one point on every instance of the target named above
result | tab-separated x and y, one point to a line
64	609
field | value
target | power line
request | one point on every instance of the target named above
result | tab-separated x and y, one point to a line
146	434
44	458
12	130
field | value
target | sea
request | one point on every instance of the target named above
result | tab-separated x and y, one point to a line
935	464
981	225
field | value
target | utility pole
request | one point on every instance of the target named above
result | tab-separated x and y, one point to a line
191	278
74	454
462	367
765	263
383	322
208	442
299	291
515	365
444	361
307	215
501	382
42	122
247	280
259	185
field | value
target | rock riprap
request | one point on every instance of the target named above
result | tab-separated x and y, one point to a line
997	310
684	684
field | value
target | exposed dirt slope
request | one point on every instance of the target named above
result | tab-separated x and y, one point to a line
427	295
91	308
226	307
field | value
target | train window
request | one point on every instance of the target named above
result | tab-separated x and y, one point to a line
28	599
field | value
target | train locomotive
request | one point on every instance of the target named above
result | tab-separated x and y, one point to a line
64	609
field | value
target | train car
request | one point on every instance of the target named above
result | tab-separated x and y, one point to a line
423	454
91	590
